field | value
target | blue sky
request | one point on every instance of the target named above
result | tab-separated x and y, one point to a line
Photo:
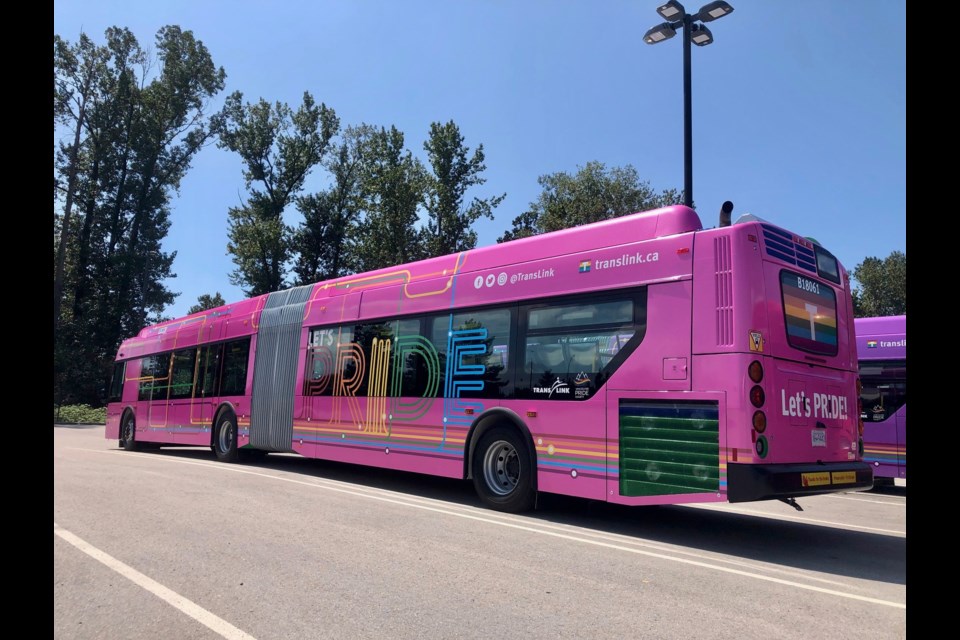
799	108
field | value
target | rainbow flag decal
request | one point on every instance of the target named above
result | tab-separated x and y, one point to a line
584	266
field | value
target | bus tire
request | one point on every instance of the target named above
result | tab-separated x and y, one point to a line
225	438
128	433
502	471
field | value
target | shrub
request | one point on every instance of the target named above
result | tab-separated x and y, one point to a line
80	414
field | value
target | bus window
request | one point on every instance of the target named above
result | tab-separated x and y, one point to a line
569	347
209	368
810	314
116	383
234	379
884	389
154	372
482	338
181	375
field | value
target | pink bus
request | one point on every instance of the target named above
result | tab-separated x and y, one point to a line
882	349
640	360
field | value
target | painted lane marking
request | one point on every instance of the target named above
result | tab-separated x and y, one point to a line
525	527
893	502
840	525
174	599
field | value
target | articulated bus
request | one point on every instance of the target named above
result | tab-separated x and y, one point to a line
639	360
882	349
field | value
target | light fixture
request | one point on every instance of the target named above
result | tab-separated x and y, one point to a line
671	10
659	33
694	31
712	10
700	35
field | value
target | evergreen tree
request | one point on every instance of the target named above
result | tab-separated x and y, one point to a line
206	301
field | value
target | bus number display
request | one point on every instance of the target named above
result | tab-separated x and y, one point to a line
808	285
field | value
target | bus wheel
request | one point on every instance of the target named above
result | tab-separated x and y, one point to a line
502	473
128	433
225	439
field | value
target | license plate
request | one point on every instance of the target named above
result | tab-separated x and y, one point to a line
818	438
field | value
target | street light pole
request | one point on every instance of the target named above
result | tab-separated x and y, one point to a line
687	116
693	32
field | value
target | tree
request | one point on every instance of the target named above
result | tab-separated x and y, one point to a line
324	242
78	71
279	148
393	183
882	289
449	219
206	301
141	119
594	193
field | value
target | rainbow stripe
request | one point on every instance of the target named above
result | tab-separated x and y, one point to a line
810	313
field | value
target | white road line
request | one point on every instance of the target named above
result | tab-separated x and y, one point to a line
892	502
511	525
195	611
749	512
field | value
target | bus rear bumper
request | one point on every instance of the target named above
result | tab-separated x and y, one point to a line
749	482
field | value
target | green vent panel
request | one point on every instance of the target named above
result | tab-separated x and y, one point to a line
668	448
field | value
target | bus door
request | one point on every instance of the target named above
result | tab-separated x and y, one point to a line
153	424
203	400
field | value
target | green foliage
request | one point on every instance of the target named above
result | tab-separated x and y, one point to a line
882	286
279	148
448	226
79	414
206	301
393	182
127	125
325	243
260	244
594	193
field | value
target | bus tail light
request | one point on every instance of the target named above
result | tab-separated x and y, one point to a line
755	371
762	447
759	421
757	396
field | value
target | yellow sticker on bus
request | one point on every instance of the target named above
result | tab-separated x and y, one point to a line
843	477
819	478
815	479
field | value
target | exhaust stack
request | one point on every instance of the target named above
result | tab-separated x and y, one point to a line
725	210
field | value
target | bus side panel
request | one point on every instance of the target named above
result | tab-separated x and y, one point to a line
114	411
570	443
357	430
729	298
885	447
661	362
902	442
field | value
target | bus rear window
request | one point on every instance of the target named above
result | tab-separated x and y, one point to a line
827	265
809	313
